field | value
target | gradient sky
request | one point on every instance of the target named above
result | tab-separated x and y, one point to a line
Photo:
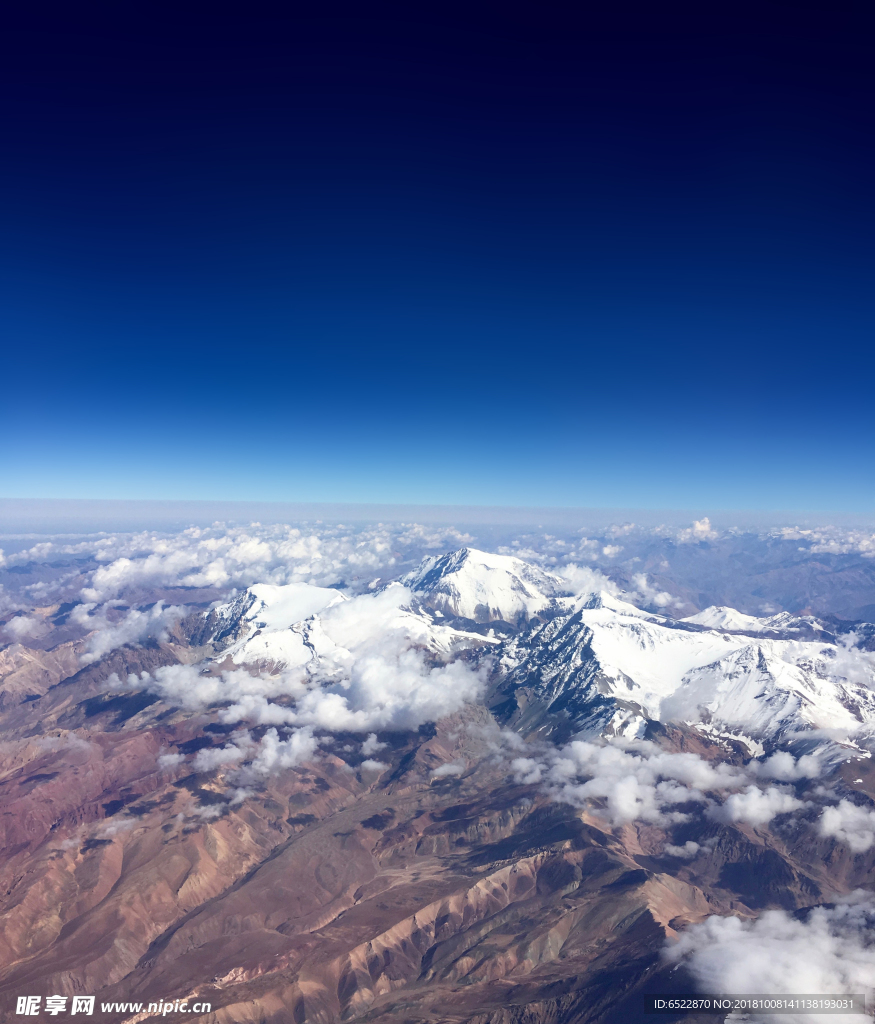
487	254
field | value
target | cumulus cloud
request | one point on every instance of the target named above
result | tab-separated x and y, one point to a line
69	741
371	745
195	687
373	672
699	531
685	852
275	754
134	627
624	781
755	806
852	825
850	663
113	828
831	950
648	594
783	767
583	580
638	782
832	540
25	626
219	757
238	556
246	759
451	768
168	761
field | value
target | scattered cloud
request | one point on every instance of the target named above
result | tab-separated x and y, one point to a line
830	950
830	540
134	627
227	556
373	673
583	580
852	825
168	761
623	781
649	595
275	754
755	806
699	531
685	852
371	745
220	757
21	627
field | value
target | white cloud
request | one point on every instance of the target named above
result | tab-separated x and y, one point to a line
113	828
274	754
235	556
783	767
583	580
699	531
624	781
831	540
22	626
852	825
218	757
685	852
375	766
372	674
755	806
636	782
166	761
247	759
134	627
852	664
650	595
371	745
196	686
831	951
451	768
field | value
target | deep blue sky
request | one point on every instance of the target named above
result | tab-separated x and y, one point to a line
480	254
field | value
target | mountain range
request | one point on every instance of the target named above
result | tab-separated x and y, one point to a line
406	804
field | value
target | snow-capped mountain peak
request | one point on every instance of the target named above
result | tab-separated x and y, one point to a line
256	624
485	587
720	617
785	624
594	662
602	600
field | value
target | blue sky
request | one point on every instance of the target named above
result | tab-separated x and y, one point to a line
490	258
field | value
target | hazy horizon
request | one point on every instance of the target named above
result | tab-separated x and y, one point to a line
78	515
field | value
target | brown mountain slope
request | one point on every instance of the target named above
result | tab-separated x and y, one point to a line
336	892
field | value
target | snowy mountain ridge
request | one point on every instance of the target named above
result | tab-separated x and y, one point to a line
594	663
484	587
